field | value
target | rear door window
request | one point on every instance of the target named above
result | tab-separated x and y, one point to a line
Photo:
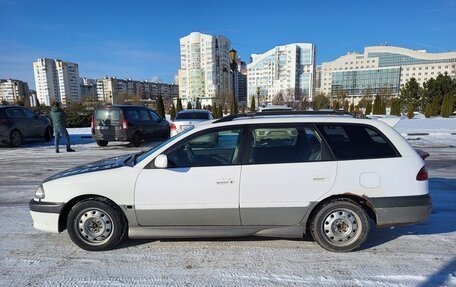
16	113
144	115
349	142
285	144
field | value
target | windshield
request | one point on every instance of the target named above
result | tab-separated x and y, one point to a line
154	149
192	116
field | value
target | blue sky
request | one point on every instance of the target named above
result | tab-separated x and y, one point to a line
140	39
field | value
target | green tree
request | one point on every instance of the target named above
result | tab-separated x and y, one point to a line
435	106
368	108
335	105
179	105
214	111
352	108
160	107
320	101
447	106
172	112
410	111
252	104
243	110
198	104
411	94
383	107
395	108
346	106
377	105
428	110
220	111
225	110
189	105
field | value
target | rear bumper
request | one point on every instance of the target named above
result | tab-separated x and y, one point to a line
401	210
119	137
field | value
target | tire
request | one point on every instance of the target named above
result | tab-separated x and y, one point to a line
95	224
340	225
102	143
15	138
48	134
136	139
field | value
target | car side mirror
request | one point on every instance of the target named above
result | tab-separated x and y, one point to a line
161	161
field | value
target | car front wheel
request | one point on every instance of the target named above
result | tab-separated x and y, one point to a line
340	225
95	224
136	139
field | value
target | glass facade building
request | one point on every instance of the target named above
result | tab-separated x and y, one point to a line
383	69
372	81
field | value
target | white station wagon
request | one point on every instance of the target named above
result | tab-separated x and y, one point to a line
265	174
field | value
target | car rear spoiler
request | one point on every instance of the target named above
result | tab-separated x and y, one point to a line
388	119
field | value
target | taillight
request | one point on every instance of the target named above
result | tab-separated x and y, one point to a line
92	124
422	174
173	127
124	124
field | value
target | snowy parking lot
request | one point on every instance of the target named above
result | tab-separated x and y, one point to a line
419	255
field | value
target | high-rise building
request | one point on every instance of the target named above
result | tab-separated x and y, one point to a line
14	91
288	70
383	69
56	80
241	84
205	70
88	88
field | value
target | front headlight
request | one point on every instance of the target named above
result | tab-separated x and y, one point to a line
39	193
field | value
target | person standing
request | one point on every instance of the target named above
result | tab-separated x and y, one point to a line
58	118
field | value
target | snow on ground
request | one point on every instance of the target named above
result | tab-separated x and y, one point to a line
418	255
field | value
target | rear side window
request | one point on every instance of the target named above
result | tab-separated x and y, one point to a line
193	116
15	113
285	145
107	114
350	142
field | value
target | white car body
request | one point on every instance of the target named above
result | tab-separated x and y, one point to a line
243	199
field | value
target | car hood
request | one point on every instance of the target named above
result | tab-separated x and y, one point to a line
110	163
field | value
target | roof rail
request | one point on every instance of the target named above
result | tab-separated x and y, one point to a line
287	113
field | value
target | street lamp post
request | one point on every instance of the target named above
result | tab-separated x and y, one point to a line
258	95
233	66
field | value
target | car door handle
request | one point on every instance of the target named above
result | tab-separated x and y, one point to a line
225	181
320	178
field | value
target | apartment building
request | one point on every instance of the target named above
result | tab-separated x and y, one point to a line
288	70
205	72
14	91
87	88
56	80
383	68
120	91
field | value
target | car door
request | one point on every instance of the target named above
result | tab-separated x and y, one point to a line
286	169
148	125
161	125
37	126
200	187
20	121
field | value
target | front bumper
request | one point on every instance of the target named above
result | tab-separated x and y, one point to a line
45	215
401	210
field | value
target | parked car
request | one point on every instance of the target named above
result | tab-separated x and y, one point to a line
186	119
265	175
18	123
127	123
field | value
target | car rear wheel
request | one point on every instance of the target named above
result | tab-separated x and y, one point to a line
48	134
15	138
340	225
95	224
136	139
102	143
